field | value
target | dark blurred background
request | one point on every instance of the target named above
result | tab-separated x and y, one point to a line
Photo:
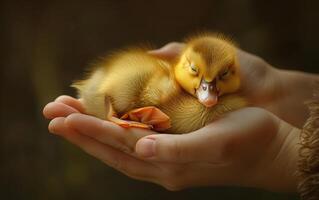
47	44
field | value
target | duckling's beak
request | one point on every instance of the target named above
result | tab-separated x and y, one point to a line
207	93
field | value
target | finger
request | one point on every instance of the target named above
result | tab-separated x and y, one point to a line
107	132
169	51
169	148
218	142
56	125
70	101
120	161
56	109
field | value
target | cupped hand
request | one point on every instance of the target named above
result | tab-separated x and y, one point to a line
257	77
249	147
281	92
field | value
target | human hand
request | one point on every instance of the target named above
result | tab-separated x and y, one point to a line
282	92
249	147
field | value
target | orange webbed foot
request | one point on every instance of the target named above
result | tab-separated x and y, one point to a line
129	124
149	116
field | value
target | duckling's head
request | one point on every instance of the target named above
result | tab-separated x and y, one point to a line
208	69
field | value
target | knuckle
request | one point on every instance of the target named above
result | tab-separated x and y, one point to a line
259	61
256	60
173	44
175	150
61	98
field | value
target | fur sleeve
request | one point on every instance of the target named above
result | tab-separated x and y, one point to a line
308	165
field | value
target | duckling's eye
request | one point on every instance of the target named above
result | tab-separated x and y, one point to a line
224	74
194	69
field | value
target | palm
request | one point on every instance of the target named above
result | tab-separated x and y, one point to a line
213	155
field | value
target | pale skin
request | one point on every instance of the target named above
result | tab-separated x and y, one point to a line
251	147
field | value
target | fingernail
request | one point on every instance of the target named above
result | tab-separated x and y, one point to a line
52	131
52	126
146	147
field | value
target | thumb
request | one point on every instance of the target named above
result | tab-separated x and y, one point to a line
169	51
172	148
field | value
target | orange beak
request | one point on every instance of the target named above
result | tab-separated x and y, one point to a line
207	93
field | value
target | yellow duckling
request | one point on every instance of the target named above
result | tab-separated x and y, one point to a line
179	97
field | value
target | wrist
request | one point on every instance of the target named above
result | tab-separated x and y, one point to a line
284	166
278	170
297	84
294	89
